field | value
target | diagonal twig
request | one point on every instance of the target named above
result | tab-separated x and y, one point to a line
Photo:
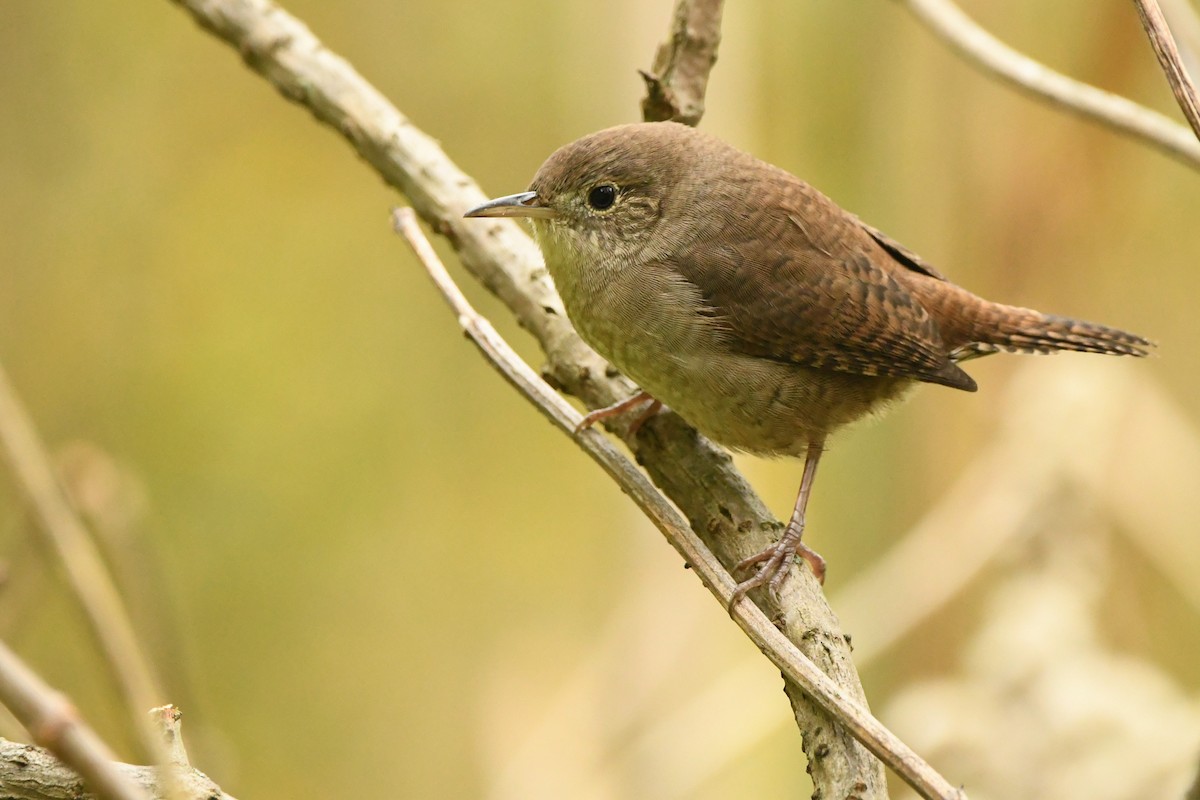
1168	58
1184	21
53	722
783	653
86	573
980	48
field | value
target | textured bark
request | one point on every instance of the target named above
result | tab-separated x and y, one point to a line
32	773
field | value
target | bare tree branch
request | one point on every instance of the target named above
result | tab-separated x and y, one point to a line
676	85
52	721
32	773
87	575
1168	58
699	477
985	51
796	667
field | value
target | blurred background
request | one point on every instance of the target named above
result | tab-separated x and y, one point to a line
368	569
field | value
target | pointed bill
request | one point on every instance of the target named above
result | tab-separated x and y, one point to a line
525	204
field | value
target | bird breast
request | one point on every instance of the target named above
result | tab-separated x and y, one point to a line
657	329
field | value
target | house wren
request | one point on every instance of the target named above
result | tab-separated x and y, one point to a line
750	303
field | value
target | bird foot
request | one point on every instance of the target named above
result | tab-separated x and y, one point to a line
773	563
616	409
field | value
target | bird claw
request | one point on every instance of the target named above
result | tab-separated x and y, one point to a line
773	564
618	408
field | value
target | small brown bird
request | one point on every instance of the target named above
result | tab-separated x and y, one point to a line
753	305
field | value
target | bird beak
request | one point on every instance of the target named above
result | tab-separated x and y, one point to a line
525	204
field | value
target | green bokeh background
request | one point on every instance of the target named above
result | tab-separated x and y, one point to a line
365	565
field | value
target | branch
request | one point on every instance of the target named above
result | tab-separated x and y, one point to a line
989	54
86	573
31	773
783	653
676	85
52	721
696	475
1168	58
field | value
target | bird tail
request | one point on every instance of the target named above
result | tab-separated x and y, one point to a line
997	328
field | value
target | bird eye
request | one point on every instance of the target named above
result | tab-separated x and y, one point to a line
602	197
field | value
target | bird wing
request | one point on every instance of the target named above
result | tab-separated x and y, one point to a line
805	282
901	253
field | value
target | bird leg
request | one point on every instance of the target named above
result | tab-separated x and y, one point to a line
773	562
620	408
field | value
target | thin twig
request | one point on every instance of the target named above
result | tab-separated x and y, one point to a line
53	722
676	84
985	51
86	573
794	664
1168	58
698	477
1184	22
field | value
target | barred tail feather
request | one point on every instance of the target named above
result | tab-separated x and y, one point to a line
1021	330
